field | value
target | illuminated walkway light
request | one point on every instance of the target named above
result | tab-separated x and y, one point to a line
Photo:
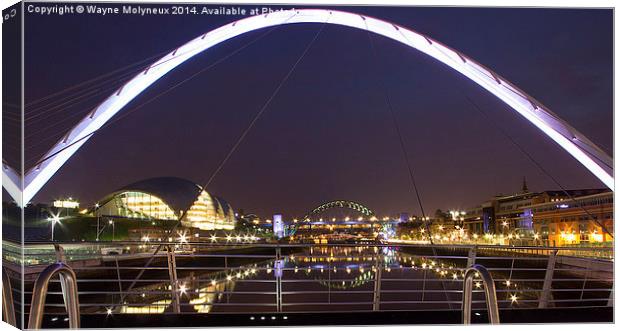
575	143
182	237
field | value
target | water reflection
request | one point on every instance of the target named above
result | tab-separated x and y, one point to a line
196	292
319	279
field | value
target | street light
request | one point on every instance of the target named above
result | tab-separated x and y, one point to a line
55	218
97	213
182	237
111	222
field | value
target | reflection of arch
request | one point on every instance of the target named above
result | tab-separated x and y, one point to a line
575	143
340	204
357	281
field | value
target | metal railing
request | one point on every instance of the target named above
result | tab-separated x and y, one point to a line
489	290
68	281
224	278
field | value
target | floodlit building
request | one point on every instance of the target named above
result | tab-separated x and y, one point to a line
504	214
166	198
587	218
66	203
555	218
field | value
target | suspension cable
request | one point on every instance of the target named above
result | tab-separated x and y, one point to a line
237	143
264	107
131	111
405	154
94	79
66	117
536	163
63	104
99	86
111	81
401	140
258	114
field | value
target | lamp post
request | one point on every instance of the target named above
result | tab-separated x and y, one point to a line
55	218
97	213
111	222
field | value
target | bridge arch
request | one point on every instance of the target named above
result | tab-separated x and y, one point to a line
339	204
571	140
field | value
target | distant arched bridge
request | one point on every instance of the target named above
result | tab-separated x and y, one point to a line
346	204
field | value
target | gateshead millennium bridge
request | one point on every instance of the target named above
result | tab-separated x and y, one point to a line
207	275
575	143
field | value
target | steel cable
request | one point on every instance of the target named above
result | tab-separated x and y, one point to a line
536	163
232	150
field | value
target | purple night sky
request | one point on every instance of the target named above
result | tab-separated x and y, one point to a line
328	134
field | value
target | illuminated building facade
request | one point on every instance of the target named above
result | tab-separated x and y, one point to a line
165	198
136	204
548	217
505	214
210	213
564	221
66	203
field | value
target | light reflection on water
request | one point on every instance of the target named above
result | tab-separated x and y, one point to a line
343	277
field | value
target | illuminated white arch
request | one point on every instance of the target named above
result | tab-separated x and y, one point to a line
592	157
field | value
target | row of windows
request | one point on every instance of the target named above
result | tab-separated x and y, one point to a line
207	213
578	204
581	218
550	206
137	205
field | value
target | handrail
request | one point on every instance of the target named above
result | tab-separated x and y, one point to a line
8	308
210	271
70	295
489	289
305	244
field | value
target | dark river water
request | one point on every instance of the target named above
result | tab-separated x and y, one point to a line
317	279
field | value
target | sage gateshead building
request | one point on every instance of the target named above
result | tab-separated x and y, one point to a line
166	198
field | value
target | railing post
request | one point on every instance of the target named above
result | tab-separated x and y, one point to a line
585	279
60	253
277	271
329	283
174	282
489	289
8	308
546	290
376	302
70	295
61	257
471	257
120	284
